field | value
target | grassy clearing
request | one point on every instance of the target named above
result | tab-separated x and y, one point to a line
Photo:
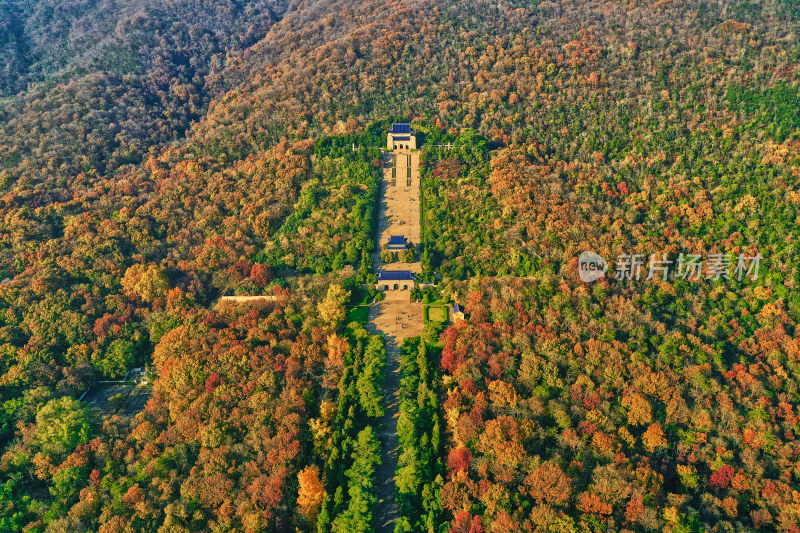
359	313
436	313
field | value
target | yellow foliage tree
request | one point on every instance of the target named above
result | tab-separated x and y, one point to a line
310	493
639	409
654	437
332	308
503	394
146	282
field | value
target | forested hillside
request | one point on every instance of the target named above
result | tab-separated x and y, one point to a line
93	85
155	155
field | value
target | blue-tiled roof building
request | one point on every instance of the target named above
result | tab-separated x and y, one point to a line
395	275
396	242
401	137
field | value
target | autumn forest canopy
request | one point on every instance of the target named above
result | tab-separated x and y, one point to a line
156	157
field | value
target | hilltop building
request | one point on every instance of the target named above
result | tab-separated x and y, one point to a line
401	137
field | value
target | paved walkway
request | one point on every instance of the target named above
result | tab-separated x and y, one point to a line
399	210
396	318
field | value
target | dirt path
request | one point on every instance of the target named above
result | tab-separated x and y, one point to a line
395	317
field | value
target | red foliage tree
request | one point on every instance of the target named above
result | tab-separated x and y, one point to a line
212	382
459	458
261	274
722	477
